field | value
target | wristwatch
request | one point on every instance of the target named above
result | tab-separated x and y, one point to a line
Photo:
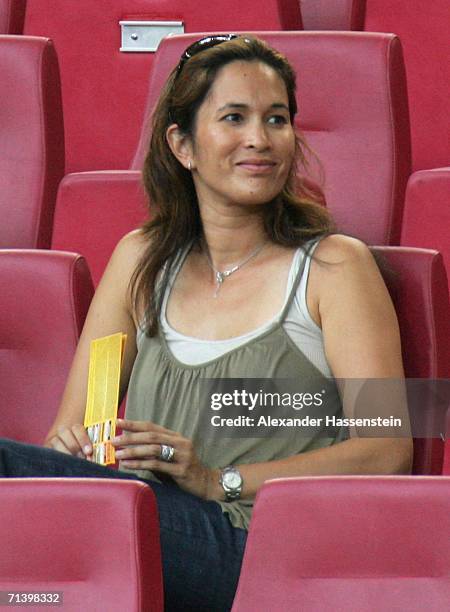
231	481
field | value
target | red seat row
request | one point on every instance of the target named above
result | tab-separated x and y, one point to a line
366	543
104	87
44	300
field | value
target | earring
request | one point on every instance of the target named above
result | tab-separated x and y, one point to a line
189	165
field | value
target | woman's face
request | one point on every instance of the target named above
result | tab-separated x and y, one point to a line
243	143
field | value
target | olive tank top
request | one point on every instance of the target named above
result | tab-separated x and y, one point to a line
173	394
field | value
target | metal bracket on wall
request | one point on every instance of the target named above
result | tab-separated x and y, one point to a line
145	36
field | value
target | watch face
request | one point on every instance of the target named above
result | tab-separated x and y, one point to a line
232	480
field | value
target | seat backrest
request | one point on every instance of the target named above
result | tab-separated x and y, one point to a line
44	298
94	210
424	29
332	14
361	543
417	282
96	540
355	119
104	89
12	15
32	140
426	220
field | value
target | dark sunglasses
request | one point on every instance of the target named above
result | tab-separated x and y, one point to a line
200	45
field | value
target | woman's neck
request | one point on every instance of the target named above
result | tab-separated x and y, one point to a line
229	246
230	238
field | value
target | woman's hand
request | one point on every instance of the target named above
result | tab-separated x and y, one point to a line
72	440
140	447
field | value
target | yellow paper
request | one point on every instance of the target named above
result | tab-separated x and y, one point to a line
102	402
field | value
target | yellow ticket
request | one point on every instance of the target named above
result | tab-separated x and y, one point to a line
105	363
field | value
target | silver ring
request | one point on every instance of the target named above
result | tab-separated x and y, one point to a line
167	452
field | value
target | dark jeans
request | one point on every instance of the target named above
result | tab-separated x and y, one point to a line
201	551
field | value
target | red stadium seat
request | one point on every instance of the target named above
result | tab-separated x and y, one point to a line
360	543
426	222
104	90
12	16
418	287
333	14
32	140
417	282
95	540
353	110
424	29
94	210
44	298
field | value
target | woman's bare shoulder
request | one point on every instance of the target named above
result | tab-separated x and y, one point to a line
342	259
125	257
338	248
123	262
341	266
131	247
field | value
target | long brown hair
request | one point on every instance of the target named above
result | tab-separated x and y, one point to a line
295	216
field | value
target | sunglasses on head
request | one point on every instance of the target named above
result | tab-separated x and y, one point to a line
200	45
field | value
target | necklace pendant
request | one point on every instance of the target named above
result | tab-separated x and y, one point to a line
221	276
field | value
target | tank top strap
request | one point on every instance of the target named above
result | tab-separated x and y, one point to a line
307	249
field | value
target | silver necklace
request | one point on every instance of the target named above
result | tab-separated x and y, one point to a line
221	276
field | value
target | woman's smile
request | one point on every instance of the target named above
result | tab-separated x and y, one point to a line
257	166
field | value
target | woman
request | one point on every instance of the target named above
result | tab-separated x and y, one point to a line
222	284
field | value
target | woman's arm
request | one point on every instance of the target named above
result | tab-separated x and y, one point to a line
110	312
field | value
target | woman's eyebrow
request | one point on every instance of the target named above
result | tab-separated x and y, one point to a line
233	105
